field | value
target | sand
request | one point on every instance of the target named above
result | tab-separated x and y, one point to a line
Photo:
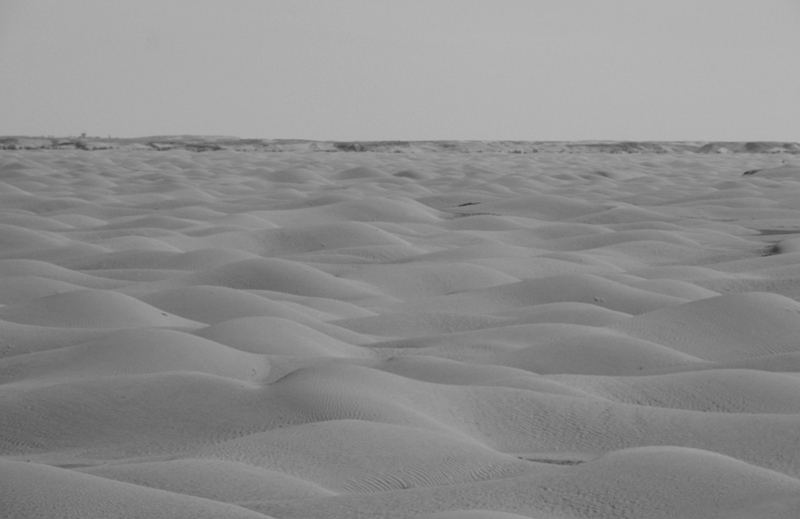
423	335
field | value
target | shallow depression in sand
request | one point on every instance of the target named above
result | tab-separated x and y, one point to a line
411	335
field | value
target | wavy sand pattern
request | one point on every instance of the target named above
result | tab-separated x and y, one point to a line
400	335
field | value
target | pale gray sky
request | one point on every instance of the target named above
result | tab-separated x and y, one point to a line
403	69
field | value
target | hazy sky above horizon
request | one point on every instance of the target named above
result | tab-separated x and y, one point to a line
403	69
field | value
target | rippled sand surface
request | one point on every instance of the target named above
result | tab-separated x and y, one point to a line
399	335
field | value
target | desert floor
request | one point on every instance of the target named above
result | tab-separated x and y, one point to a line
399	335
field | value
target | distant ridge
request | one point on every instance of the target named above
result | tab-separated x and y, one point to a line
200	143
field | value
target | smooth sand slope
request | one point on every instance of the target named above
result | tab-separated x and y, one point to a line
417	335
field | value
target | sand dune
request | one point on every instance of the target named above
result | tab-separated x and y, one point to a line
579	288
212	304
404	335
43	269
279	276
139	351
420	280
282	336
39	491
216	479
728	327
90	309
366	457
713	390
658	483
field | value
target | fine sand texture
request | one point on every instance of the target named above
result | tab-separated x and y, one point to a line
428	335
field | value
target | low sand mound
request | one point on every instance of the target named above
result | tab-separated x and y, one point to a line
581	425
128	416
584	314
564	230
34	222
74	495
752	266
492	415
206	258
713	390
133	352
215	304
414	174
338	235
537	207
277	336
484	222
597	354
42	269
790	172
638	253
91	309
472	514
150	221
782	362
524	263
280	276
443	371
580	288
787	246
425	280
359	255
364	457
361	172
47	204
61	254
13	237
18	289
375	209
78	221
296	175
493	339
135	275
123	243
343	392
164	403
679	273
624	214
21	339
595	241
326	309
708	483
724	328
216	479
661	483
230	221
419	325
133	259
674	288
